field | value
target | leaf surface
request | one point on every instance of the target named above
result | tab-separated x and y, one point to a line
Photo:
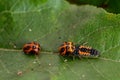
51	22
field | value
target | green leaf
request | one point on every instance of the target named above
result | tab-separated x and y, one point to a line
51	22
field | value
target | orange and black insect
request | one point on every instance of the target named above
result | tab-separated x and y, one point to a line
67	48
87	51
31	48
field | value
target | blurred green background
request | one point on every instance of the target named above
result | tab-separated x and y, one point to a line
112	6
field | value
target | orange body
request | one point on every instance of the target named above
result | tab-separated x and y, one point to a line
67	48
31	48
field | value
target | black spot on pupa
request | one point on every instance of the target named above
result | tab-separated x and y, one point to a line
62	50
27	48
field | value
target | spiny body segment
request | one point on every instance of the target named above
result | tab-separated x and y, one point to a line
87	51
